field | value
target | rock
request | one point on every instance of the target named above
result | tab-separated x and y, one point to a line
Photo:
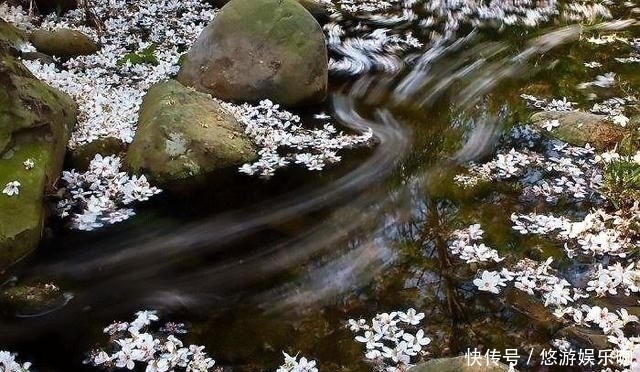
533	309
32	299
584	337
35	123
63	43
458	364
318	10
45	59
82	155
579	128
257	49
183	133
11	34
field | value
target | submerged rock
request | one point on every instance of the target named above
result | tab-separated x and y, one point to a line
35	124
183	133
584	337
459	364
538	315
63	42
32	299
260	49
579	128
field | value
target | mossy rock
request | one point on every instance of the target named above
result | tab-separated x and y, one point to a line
260	49
35	123
11	34
579	128
63	43
82	155
184	134
459	364
318	10
31	299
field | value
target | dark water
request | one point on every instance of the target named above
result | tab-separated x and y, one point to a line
255	267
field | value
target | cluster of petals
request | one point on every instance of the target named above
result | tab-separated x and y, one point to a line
96	197
292	364
391	339
108	88
283	140
609	280
597	234
8	363
533	278
465	244
561	170
135	344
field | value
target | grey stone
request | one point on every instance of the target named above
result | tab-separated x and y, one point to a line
64	43
257	49
458	364
579	128
183	134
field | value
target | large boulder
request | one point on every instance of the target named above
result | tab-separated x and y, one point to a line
35	123
579	128
257	49
183	133
459	364
63	42
318	9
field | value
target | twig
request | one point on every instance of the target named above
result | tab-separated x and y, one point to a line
91	18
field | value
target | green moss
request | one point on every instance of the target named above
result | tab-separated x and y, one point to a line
11	34
146	56
36	122
183	133
31	298
20	233
182	59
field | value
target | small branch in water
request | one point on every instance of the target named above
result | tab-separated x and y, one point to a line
91	18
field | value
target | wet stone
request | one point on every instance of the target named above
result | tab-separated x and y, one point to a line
260	49
32	299
579	128
458	364
64	43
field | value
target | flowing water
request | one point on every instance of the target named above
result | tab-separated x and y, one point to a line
259	266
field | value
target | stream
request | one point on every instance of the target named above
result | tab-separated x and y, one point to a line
257	266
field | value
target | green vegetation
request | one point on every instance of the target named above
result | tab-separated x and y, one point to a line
146	55
622	182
